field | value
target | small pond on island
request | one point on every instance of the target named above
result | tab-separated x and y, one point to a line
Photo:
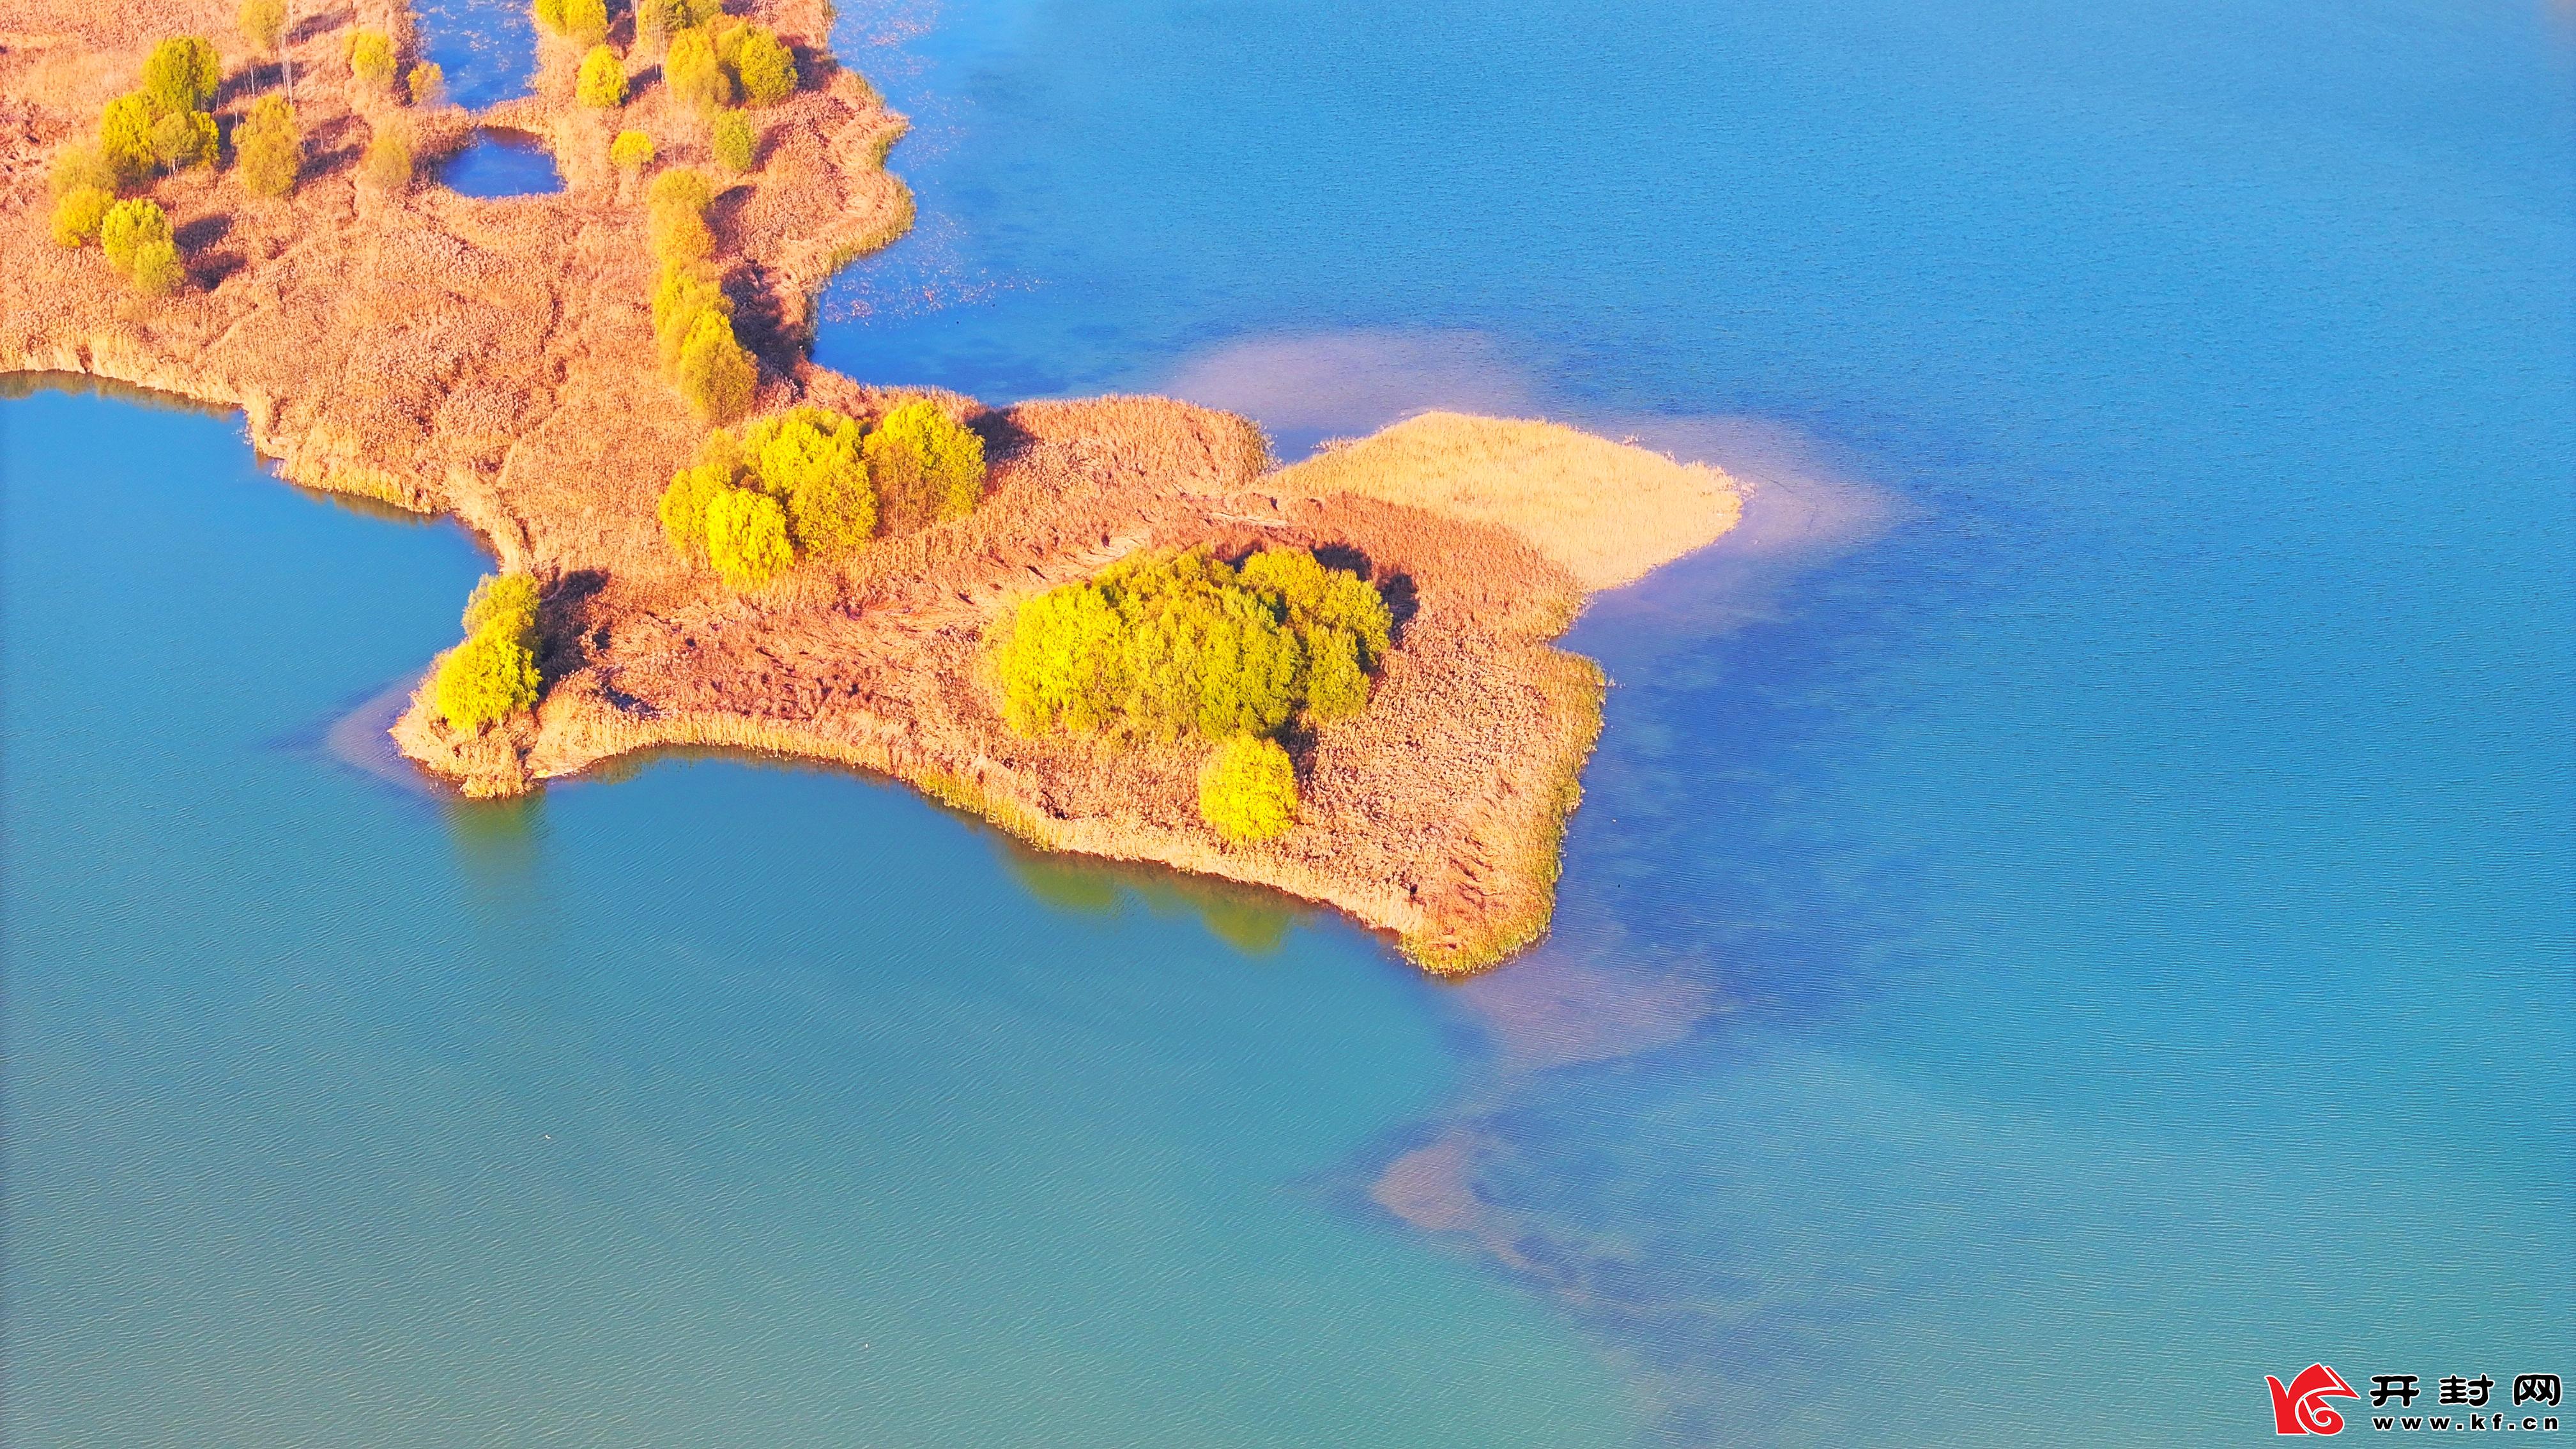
501	163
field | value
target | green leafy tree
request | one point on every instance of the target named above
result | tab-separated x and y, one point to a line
1061	662
131	227
603	79
809	460
549	15
747	537
371	60
631	152
735	144
684	504
485	680
183	139
182	74
157	270
387	164
1316	596
427	83
79	213
263	24
761	64
680	236
656	21
694	74
585	21
684	189
676	218
493	674
716	374
268	147
125	138
1336	683
1161	644
685	292
919	450
1248	790
507	602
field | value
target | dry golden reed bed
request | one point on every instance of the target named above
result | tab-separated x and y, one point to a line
1608	513
494	359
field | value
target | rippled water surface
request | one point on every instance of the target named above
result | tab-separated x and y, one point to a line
2071	913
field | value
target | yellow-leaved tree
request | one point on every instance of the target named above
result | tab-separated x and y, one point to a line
493	674
747	537
136	237
1248	790
933	462
268	147
602	83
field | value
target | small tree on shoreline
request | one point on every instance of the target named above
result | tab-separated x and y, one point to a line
1248	790
493	674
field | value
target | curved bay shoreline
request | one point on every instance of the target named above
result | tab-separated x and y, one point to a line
494	360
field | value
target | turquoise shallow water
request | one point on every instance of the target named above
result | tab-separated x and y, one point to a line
2085	928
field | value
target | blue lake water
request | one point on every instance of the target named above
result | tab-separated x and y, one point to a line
501	163
2071	915
487	49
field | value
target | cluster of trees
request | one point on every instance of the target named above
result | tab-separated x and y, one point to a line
692	316
583	22
160	126
714	61
374	65
808	484
493	674
719	63
135	235
388	163
719	59
163	124
1165	644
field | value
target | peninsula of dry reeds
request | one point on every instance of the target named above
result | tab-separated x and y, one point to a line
496	359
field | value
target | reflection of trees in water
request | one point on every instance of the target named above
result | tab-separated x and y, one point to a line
500	859
1253	920
1248	918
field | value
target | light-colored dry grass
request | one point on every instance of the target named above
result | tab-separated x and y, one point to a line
1609	512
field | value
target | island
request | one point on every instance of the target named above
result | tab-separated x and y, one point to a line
704	539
